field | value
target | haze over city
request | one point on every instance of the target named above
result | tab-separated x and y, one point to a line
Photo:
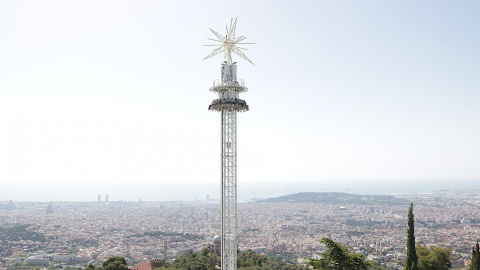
111	98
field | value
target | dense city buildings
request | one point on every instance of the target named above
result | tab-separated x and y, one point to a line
82	233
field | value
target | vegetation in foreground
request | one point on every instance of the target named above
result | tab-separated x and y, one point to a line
433	258
338	257
475	264
246	261
112	263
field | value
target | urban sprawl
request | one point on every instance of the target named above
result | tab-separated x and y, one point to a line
77	234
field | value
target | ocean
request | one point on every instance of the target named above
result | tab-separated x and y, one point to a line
200	191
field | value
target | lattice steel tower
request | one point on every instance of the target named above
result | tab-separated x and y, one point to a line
229	103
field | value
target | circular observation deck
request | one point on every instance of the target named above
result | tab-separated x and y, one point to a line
237	85
231	104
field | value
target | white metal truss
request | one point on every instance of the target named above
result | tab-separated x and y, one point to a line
229	189
228	88
229	104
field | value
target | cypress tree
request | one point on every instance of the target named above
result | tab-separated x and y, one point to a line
412	258
475	263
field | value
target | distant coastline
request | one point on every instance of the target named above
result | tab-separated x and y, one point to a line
44	192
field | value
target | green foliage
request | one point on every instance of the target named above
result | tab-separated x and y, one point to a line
112	263
475	263
250	260
412	259
89	243
19	233
433	258
338	257
283	257
196	261
160	234
114	259
245	261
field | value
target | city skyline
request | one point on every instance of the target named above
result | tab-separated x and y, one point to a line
362	94
373	226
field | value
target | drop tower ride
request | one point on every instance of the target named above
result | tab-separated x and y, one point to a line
228	88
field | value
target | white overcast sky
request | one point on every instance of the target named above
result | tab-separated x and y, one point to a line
103	92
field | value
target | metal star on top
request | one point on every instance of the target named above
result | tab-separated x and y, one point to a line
228	44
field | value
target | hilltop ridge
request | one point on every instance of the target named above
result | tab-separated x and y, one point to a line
337	198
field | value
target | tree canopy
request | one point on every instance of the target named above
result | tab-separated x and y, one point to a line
338	257
251	260
112	263
433	258
195	261
245	261
115	263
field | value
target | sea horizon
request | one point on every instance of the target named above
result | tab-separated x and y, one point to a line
198	191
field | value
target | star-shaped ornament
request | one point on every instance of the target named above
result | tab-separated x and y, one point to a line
228	44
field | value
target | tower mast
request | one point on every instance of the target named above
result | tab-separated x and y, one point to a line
228	88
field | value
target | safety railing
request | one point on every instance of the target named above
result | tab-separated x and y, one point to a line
238	82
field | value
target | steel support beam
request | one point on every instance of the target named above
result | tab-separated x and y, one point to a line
229	189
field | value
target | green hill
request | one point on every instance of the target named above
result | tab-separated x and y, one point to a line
337	198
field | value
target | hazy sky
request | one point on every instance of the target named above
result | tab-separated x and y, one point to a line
106	92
